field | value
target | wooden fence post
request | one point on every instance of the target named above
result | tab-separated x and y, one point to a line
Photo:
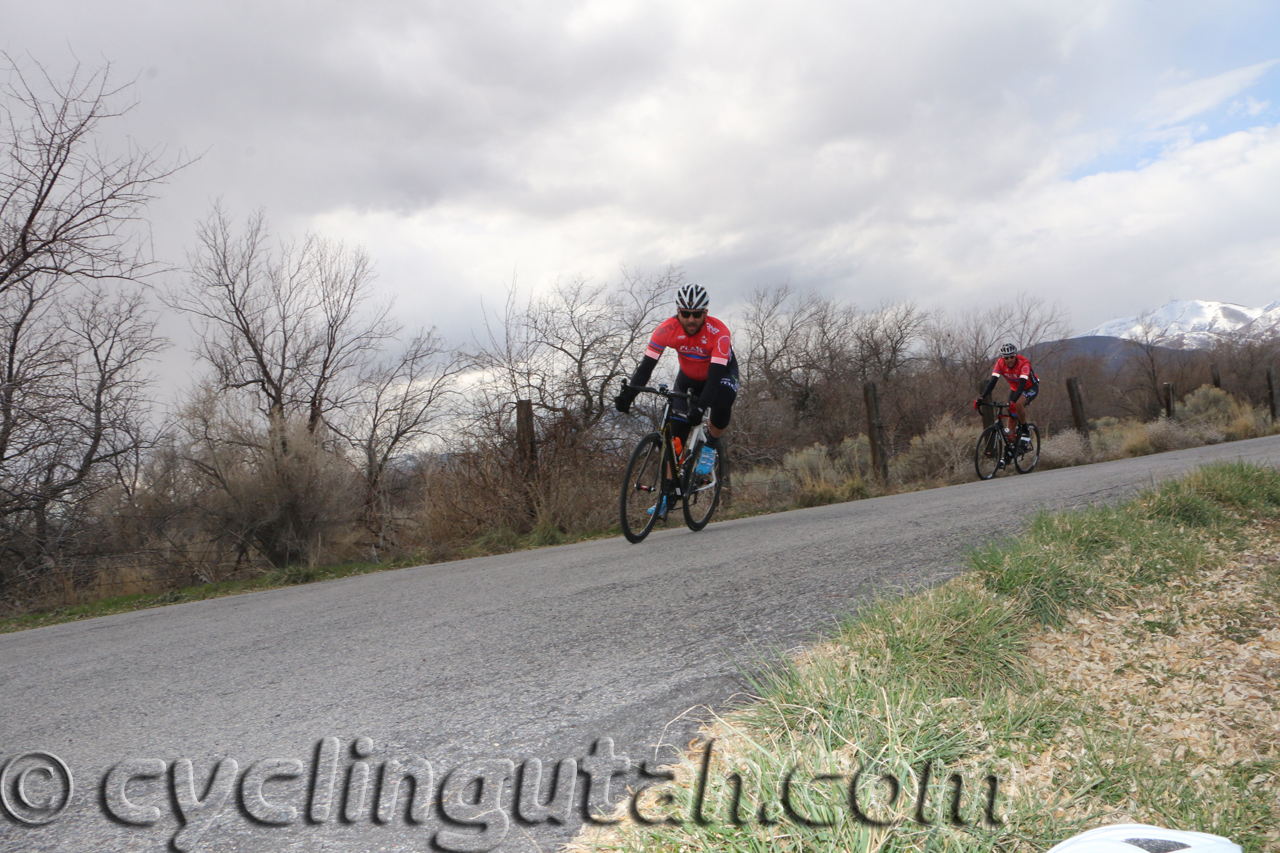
988	414
1077	407
1168	400
527	455
526	443
875	432
1272	392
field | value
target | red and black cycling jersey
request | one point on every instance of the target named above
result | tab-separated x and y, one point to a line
697	353
1021	370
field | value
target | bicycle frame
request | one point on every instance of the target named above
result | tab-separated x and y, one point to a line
674	478
1004	411
1011	441
664	427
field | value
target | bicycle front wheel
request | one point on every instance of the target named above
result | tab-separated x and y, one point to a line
642	488
701	491
989	452
1026	457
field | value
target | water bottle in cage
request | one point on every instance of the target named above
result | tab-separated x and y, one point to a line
706	461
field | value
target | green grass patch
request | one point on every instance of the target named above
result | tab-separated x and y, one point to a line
1102	557
941	680
956	639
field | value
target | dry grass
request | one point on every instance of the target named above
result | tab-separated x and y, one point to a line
1189	675
818	474
1064	449
943	454
1181	711
1195	668
1161	710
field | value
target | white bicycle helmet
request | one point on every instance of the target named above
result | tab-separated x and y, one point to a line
692	297
1139	838
1008	349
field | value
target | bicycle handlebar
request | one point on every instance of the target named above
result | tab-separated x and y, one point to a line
663	391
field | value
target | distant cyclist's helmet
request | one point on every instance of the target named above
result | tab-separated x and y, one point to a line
1007	350
692	297
1139	838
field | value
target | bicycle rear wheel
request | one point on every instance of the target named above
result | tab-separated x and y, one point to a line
989	452
642	488
701	491
1025	458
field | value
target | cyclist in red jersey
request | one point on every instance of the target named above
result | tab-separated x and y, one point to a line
1024	385
708	367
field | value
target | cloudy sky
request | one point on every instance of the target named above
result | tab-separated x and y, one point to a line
1110	155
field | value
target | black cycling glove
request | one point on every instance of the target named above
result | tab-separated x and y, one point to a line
625	398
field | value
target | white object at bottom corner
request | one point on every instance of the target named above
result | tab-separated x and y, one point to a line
1140	838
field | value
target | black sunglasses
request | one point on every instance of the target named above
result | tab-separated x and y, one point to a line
692	315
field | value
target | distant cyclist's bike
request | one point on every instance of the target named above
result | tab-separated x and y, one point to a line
658	477
995	450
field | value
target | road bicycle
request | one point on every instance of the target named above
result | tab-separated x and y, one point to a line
997	450
660	474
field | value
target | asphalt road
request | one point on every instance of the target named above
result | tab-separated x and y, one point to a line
535	655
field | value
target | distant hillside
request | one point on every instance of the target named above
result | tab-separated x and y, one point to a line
1115	351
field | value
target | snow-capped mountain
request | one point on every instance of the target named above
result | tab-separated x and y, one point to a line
1268	320
1191	323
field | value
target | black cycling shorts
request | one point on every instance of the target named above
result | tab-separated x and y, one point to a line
1027	395
721	399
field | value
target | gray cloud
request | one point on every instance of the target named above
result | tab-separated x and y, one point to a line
874	151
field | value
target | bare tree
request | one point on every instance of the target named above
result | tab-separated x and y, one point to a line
776	359
74	337
1028	322
1245	356
886	339
966	346
72	413
277	490
1149	363
568	349
283	324
399	404
68	211
805	360
301	395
